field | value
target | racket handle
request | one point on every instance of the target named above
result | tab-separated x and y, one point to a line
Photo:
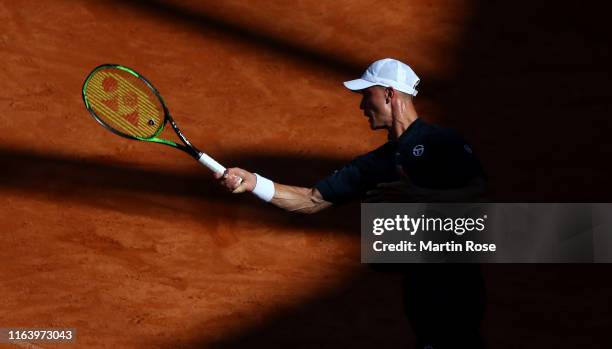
212	164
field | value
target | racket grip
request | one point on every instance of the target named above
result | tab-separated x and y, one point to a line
211	163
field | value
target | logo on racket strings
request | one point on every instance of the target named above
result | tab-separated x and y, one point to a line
123	103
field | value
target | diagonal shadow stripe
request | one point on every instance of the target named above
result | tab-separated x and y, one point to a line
206	22
324	60
137	191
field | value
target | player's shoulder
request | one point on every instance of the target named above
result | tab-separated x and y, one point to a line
381	150
375	156
432	134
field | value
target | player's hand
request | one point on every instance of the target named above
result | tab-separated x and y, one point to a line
237	180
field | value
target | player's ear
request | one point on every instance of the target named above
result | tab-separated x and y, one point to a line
389	93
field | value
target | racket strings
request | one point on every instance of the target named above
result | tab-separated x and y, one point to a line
124	103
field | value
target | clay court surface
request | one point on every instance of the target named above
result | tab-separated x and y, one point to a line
135	245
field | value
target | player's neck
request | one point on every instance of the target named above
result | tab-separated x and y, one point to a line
400	124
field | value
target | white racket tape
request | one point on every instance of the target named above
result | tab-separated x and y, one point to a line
212	164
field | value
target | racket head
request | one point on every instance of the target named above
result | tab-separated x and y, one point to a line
124	102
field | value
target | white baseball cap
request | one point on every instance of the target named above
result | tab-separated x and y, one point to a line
387	72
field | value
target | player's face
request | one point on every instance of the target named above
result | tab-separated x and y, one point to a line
375	107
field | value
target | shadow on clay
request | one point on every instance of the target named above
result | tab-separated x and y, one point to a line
208	23
165	194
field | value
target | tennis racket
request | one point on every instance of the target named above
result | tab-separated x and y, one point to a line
127	104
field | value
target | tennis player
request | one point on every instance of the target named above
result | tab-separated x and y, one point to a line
421	162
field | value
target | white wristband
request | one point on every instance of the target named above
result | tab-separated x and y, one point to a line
264	188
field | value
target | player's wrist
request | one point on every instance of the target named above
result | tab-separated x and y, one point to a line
264	188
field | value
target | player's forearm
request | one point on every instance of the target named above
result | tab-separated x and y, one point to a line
289	198
298	199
